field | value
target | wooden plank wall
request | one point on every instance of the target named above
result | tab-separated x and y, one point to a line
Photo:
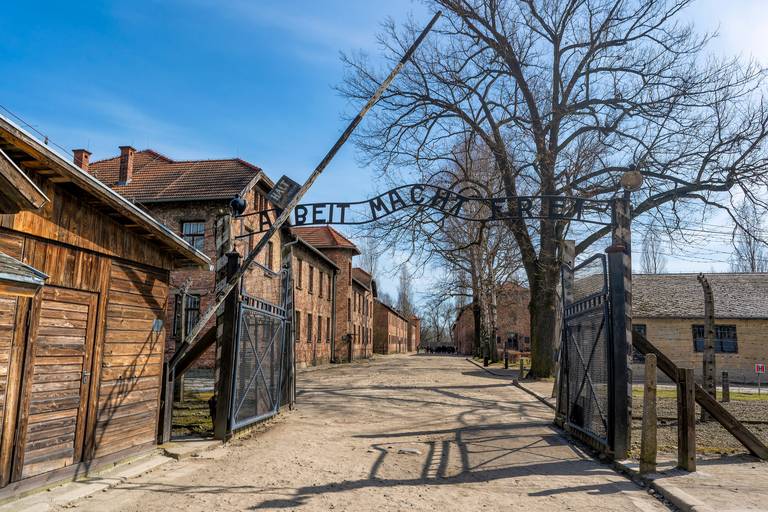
52	429
132	360
69	220
13	312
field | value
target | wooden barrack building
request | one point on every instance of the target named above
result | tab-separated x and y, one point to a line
83	288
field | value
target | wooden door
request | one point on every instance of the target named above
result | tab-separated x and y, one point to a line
55	396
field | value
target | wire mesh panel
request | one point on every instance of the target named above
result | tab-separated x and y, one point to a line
259	361
586	341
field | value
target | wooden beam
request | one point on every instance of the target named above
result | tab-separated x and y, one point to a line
718	412
17	188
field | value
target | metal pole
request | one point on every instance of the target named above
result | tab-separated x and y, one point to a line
620	290
283	217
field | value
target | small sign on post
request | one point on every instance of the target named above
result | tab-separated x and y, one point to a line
759	370
283	192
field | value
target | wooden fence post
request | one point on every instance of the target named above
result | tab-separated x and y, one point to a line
726	394
686	419
648	440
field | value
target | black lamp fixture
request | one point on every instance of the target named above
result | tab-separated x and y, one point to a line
238	205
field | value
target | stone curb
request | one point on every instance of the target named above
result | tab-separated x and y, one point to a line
673	494
55	496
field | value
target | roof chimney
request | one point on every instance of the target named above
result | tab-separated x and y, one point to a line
126	165
82	158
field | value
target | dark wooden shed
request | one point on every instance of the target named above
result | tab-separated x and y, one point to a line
83	288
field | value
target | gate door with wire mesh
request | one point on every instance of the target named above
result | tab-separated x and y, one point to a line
260	361
586	369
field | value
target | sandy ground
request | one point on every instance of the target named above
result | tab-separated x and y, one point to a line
399	433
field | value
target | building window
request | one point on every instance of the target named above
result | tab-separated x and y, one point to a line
349	310
321	277
309	327
194	234
328	330
725	339
298	326
270	254
299	273
319	328
192	314
311	279
329	287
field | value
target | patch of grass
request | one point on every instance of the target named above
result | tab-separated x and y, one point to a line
192	416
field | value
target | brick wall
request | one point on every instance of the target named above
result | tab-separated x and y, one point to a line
311	299
512	315
674	337
343	259
390	331
362	321
414	334
202	282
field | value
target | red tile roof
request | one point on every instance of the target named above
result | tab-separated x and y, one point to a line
324	237
158	178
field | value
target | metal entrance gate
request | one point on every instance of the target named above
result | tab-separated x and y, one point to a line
260	362
595	384
586	345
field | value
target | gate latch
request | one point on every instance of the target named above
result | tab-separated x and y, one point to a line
85	376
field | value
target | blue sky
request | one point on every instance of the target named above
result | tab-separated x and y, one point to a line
208	78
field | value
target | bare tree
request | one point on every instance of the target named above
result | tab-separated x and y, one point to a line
566	97
749	246
369	256
405	302
652	259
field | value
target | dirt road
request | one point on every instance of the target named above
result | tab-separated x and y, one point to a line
399	433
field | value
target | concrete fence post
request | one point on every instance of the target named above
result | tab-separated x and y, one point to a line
648	439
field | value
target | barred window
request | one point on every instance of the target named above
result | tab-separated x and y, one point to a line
299	273
328	330
192	313
269	258
194	234
309	327
311	279
726	341
298	326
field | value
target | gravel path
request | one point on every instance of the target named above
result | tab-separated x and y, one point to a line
398	433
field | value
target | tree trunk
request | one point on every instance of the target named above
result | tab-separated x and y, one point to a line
543	330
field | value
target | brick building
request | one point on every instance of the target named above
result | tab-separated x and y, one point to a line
191	197
349	296
414	333
363	287
314	280
669	310
513	322
390	330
